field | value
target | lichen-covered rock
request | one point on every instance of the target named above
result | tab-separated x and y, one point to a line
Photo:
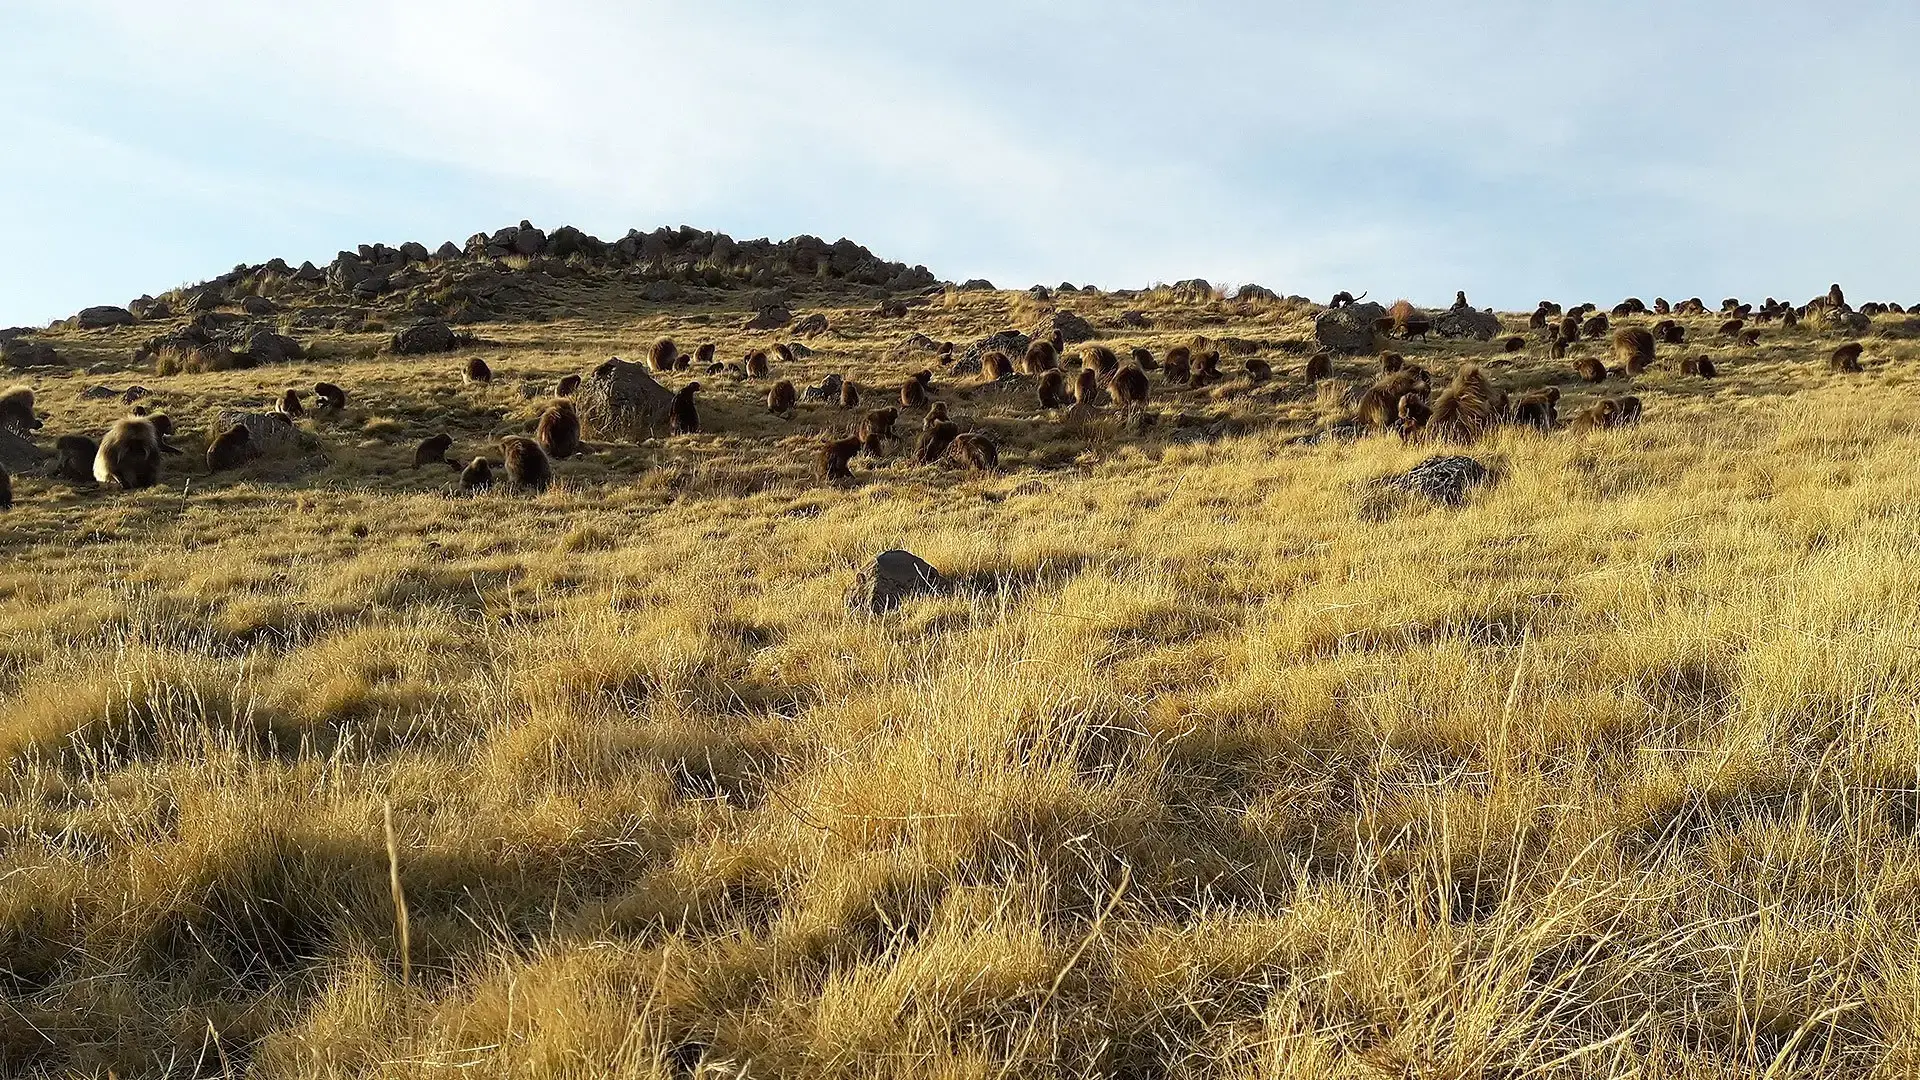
827	389
1466	322
1348	329
811	326
770	317
895	577
425	336
1072	327
268	436
1444	479
1846	323
621	400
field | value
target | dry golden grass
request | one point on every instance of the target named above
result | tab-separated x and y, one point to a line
1200	773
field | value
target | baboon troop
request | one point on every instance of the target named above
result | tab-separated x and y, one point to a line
479	372
526	463
230	450
782	399
559	430
433	450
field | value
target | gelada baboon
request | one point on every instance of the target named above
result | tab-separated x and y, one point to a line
913	393
1053	390
686	418
129	454
1101	359
1379	407
1595	327
833	458
1846	357
330	396
477	476
1789	318
1041	358
1749	338
1320	366
1835	298
1179	365
1465	408
1538	320
1661	307
704	354
782	398
1626	410
1731	328
934	440
16	410
1413	414
1701	365
1590	369
1539	409
1514	344
526	463
478	371
995	366
1206	368
1570	328
567	386
230	450
974	451
1558	349
1059	342
1143	359
783	352
559	430
849	394
1600	414
1086	386
663	354
1129	388
1390	362
1258	370
1633	346
877	425
433	451
1460	300
290	403
757	365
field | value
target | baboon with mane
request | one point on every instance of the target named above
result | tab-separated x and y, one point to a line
559	430
662	355
16	410
526	463
129	454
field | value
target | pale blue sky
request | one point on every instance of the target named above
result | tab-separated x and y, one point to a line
1516	150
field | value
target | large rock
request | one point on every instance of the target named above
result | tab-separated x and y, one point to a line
99	318
1193	291
1348	329
828	389
1847	323
1466	322
18	454
22	352
811	326
1011	342
267	436
661	292
771	317
259	345
425	336
620	400
1072	327
895	577
1251	292
1445	479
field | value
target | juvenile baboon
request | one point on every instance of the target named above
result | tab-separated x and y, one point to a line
1320	365
129	454
1557	350
1053	390
1143	359
526	463
1258	370
1379	407
559	430
433	450
686	418
684	363
1179	366
1343	298
661	357
73	458
1515	344
6	490
290	403
704	354
1465	408
934	440
568	384
1846	357
477	476
1129	388
1669	332
757	366
1539	409
330	396
1059	342
1633	346
478	371
1595	327
1412	415
1731	328
1601	414
1661	307
1789	318
878	425
834	456
1590	369
1701	365
1390	362
781	399
975	451
783	352
996	366
230	450
1041	357
16	410
1086	386
1206	368
849	394
1626	410
1749	338
1101	359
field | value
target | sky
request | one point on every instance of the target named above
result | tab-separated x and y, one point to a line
1516	150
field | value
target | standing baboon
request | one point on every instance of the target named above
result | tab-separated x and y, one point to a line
330	396
526	462
1041	358
849	394
433	450
478	371
1633	346
1835	298
290	403
129	454
1053	390
1846	357
781	399
686	418
230	450
567	386
975	451
16	410
477	476
559	430
833	458
1749	338
663	354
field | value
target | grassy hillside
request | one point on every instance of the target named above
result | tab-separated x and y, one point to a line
1213	765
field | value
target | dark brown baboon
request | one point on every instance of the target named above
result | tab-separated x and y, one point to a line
1701	365
878	425
1086	386
1515	344
330	396
129	455
1846	357
1041	357
849	394
1668	332
833	459
1460	300
559	430
1143	359
1129	388
684	363
526	463
6	490
782	398
1661	307
1749	338
567	386
757	365
1258	370
704	354
1320	366
913	393
1465	408
1101	359
1789	318
1053	390
1731	328
230	450
1206	368
686	418
1601	414
1835	298
996	366
1570	328
1595	327
1730	305
16	410
1539	409
1179	367
1059	343
1590	369
1626	410
662	355
1557	350
1538	320
433	450
717	368
1390	362
1412	414
944	353
975	451
290	403
1692	306
1633	346
934	440
1343	298
73	458
1379	407
783	352
478	371
477	476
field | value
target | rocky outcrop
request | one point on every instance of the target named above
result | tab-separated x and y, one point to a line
620	400
267	435
1072	327
424	337
1348	329
770	317
1466	322
102	317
